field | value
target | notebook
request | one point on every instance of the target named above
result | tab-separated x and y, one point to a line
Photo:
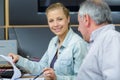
6	47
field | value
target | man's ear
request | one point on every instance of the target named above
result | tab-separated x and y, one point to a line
87	20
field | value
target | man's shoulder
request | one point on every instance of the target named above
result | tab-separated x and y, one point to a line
112	33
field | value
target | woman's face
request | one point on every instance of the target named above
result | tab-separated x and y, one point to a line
58	22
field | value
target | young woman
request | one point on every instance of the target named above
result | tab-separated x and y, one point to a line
65	52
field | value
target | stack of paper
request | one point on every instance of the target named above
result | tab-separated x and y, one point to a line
17	73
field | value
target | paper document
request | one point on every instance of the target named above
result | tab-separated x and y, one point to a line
17	72
25	79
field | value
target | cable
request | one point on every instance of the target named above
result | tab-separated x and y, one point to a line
38	76
19	46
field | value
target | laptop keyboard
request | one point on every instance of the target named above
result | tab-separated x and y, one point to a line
6	74
6	69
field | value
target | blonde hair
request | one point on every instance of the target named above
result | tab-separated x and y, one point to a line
57	6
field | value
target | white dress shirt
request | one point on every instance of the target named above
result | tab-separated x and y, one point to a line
103	59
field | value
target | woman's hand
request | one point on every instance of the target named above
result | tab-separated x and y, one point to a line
15	57
49	74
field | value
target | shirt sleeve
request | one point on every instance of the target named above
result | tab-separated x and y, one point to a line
32	66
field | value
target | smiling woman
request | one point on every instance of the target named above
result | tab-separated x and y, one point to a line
69	45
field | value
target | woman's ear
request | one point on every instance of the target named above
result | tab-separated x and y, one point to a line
69	19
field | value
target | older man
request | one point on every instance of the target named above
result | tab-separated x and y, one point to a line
103	59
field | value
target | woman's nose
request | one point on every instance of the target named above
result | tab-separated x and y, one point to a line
55	23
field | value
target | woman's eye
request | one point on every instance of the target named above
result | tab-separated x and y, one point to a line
60	19
50	20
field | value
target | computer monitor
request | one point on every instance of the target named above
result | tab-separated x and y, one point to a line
73	5
6	47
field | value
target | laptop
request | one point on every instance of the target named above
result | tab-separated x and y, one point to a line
6	47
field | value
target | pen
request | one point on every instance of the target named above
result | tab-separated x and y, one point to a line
38	75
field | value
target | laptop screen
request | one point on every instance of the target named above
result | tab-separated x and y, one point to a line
7	46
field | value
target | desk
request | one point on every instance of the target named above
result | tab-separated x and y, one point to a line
29	78
25	77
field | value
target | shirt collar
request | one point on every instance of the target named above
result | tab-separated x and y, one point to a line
67	38
98	31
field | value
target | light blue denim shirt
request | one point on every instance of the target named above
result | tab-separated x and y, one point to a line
71	55
103	59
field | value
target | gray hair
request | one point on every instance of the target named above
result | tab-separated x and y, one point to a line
99	11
